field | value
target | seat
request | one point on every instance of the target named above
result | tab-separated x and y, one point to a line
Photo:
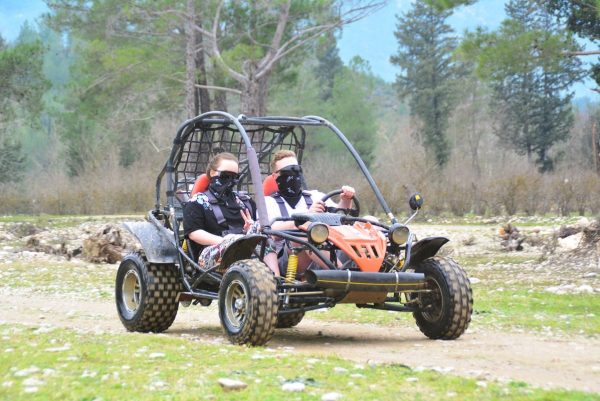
201	184
269	185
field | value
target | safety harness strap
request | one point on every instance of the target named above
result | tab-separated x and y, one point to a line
242	199
281	202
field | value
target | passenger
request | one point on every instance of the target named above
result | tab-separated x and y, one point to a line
291	199
214	219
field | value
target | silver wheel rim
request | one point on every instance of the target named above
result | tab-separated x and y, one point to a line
435	299
236	302
131	291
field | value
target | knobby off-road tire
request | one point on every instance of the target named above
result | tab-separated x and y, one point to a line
289	320
146	294
248	303
451	299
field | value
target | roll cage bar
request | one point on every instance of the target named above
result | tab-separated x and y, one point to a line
226	120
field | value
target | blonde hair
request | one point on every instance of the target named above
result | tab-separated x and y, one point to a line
281	154
214	162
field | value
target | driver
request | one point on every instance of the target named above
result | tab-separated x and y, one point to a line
291	199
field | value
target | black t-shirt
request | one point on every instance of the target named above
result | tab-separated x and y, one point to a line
198	214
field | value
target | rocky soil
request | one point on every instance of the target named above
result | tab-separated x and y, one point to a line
571	264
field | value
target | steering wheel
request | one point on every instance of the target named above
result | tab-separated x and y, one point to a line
354	212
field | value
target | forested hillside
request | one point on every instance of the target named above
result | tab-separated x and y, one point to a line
479	122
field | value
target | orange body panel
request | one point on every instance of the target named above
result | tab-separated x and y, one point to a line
362	242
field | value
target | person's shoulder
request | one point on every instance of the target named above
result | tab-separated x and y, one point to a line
270	199
200	199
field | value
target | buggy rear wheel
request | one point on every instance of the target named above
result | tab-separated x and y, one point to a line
146	294
448	305
248	303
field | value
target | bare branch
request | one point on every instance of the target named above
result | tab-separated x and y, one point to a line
306	35
212	87
584	53
108	76
278	35
217	53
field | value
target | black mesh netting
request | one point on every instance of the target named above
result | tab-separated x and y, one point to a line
207	140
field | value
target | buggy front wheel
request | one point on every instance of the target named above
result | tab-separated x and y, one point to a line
447	305
248	303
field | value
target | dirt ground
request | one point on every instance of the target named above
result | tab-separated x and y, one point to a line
549	362
544	360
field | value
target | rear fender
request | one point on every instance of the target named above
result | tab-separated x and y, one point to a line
158	248
240	249
424	249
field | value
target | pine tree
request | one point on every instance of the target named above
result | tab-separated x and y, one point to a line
428	73
531	77
329	64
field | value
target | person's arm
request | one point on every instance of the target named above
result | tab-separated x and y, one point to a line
194	224
283	225
204	237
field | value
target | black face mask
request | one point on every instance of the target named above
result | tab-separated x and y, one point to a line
222	185
289	184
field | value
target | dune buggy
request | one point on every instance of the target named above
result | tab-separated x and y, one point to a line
383	267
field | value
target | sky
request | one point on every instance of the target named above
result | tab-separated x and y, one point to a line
372	38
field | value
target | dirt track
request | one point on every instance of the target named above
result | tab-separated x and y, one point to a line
572	362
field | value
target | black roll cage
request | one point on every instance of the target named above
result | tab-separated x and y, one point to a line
240	123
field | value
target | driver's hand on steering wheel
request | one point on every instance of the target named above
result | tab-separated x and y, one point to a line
347	192
317	207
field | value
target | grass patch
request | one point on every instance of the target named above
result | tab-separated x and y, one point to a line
38	364
538	311
74	277
504	310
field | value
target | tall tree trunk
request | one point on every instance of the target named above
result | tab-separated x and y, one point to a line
202	93
221	100
250	98
263	94
190	61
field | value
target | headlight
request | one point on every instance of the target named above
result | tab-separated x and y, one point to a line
318	232
399	234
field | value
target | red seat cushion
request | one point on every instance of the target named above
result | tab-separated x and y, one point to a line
269	185
201	184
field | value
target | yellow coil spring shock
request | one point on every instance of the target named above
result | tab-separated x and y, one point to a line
292	267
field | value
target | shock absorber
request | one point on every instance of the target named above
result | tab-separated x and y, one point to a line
292	268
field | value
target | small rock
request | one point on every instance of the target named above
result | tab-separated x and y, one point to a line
339	369
232	384
590	275
156	355
481	384
65	347
474	280
293	386
331	397
32	382
27	371
585	289
412	379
